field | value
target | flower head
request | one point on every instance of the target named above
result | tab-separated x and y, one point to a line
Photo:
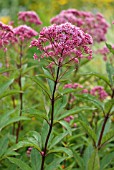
95	25
29	16
100	92
61	41
6	35
23	32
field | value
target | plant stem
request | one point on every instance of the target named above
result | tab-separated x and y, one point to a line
20	95
104	123
52	117
102	131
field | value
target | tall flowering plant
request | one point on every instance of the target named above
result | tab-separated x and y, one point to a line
60	45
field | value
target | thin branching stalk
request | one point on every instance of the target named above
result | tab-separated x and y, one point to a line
20	95
52	118
104	124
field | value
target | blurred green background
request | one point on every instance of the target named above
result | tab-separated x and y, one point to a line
48	8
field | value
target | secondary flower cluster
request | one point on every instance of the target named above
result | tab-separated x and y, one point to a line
6	35
23	32
96	91
60	41
105	52
30	17
100	92
95	25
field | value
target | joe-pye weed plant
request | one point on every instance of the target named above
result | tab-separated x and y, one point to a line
75	130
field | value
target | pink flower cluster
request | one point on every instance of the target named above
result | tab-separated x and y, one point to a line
29	16
105	52
74	86
96	91
6	35
100	92
60	41
23	32
29	151
69	118
95	25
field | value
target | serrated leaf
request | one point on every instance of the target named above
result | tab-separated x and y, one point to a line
49	80
92	99
3	145
87	154
36	159
56	162
61	150
57	139
74	111
110	48
36	136
7	122
25	143
59	105
88	130
93	163
107	137
106	160
66	125
99	75
5	85
44	132
22	165
41	84
110	72
9	93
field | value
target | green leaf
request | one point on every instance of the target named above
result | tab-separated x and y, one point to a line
99	75
4	70
36	159
87	154
92	99
9	93
3	145
66	125
35	113
106	160
88	130
56	162
78	159
74	111
59	105
41	84
36	136
61	150
110	48
109	106
108	136
93	163
22	165
5	85
57	139
49	80
7	122
44	132
25	143
110	72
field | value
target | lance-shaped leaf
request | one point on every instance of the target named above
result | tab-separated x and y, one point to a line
88	130
93	163
36	159
22	165
107	137
61	150
74	111
56	162
57	139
